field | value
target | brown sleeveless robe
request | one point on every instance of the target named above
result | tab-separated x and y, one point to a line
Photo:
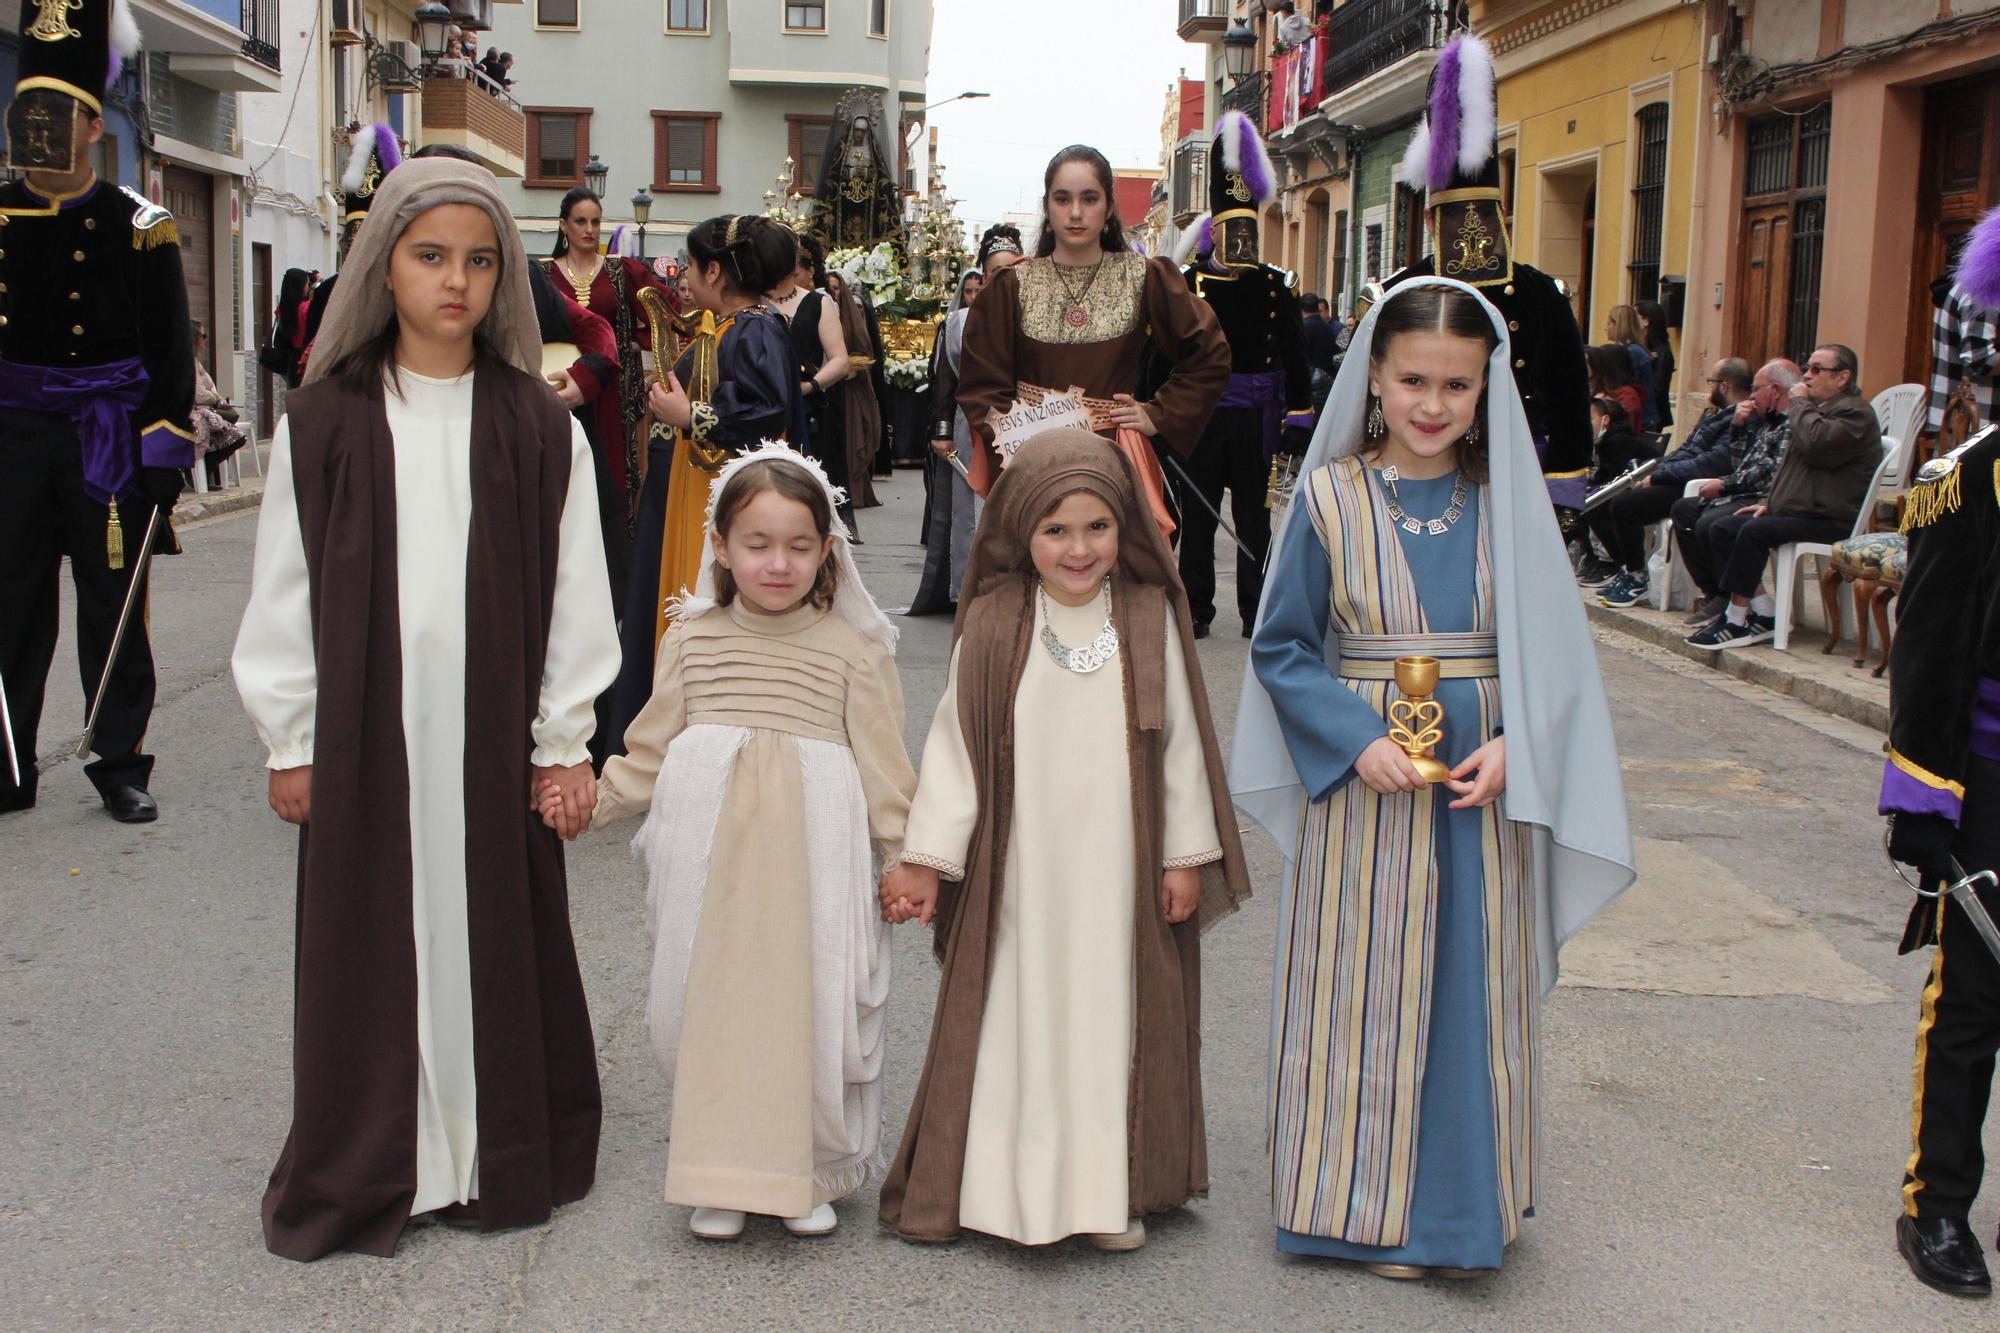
347	1176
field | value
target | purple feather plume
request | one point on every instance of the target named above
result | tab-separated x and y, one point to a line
1243	153
1444	115
387	148
1978	270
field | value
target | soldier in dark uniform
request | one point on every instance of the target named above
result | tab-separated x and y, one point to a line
96	384
1268	404
1470	235
1941	788
373	151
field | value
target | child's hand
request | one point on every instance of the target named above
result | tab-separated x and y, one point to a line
1387	769
575	797
1489	761
1180	888
910	892
291	793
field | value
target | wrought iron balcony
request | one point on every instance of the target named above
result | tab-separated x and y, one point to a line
1365	37
1203	20
260	32
1248	97
1190	180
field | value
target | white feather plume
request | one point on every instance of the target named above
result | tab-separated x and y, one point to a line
1189	238
1479	117
358	154
125	39
1414	171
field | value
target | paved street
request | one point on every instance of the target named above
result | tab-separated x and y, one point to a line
1727	1063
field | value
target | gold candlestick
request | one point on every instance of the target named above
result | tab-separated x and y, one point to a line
1417	720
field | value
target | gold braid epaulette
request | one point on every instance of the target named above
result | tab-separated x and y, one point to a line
1929	501
164	232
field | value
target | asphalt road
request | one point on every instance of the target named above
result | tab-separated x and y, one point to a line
1727	1063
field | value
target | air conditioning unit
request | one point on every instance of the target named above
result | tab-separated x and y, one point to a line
347	23
398	69
472	15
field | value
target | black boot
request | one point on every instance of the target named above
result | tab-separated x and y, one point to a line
1944	1254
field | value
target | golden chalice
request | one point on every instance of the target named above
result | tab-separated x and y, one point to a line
1416	721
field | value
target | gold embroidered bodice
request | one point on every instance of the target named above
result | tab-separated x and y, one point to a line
1113	299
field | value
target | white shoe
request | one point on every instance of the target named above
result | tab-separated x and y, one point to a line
717	1223
821	1221
1131	1238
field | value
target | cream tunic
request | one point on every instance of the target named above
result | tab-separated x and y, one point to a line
275	673
771	756
1045	1152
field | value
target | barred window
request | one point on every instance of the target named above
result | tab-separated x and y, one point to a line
1649	188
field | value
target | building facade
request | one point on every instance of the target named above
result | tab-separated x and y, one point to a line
697	103
1851	146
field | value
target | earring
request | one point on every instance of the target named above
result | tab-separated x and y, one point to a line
1472	433
1377	427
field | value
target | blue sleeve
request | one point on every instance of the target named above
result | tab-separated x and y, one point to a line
1326	725
756	376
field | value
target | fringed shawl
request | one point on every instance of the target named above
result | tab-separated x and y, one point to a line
1166	1140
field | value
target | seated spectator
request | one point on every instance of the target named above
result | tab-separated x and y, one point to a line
216	434
1964	355
1615	447
1829	464
1611	377
1659	346
1624	327
1710	453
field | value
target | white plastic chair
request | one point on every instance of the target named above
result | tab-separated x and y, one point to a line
1665	576
1902	410
1790	591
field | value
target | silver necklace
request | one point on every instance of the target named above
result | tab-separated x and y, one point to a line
1433	526
1083	661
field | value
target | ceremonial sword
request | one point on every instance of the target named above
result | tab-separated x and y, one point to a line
124	623
1213	512
1964	890
7	734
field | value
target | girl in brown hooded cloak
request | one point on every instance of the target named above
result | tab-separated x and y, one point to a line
1061	1094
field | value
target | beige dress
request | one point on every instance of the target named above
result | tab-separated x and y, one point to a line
771	754
1045	1153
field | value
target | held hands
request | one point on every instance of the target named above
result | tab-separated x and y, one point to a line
910	893
1131	414
1489	765
669	403
1387	769
291	793
1180	888
565	796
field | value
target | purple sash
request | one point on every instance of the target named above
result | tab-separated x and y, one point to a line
1259	389
100	401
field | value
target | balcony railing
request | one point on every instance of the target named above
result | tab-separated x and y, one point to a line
1202	16
260	32
1248	97
1296	87
1365	37
1190	180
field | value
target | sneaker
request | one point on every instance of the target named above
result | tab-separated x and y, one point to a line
1628	589
1722	634
1706	611
1595	573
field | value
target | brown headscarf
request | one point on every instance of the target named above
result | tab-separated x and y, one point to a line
1166	1142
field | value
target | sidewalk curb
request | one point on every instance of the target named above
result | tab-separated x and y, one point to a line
1760	665
194	508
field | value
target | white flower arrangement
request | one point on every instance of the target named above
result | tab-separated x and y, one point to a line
876	270
913	374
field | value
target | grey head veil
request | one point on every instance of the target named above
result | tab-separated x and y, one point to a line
1562	760
362	305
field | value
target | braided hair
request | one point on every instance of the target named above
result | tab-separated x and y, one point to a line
755	252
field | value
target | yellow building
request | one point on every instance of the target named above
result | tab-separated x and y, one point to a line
1600	117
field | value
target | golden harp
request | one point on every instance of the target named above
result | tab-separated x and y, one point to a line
670	331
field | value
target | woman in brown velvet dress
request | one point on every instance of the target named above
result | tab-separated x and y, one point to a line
1081	313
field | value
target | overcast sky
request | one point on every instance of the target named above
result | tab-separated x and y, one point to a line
1060	72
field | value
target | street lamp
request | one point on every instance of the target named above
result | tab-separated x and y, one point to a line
433	22
642	212
594	174
962	97
1239	51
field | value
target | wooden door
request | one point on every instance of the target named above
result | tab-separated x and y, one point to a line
1762	283
191	199
1958	183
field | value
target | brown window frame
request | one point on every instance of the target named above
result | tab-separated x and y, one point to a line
553	26
711	120
785	15
533	180
795	127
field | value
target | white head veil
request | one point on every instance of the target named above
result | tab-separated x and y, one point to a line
1562	760
851	601
362	305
